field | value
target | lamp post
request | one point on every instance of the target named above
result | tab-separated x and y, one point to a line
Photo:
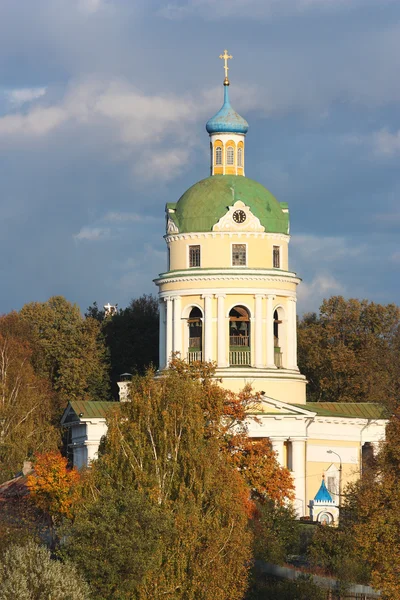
340	474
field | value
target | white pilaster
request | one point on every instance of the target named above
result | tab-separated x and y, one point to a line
221	340
177	340
299	475
259	334
269	333
277	446
207	327
168	351
291	343
161	356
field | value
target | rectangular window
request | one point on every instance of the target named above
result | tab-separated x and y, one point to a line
239	255
194	256
277	257
332	485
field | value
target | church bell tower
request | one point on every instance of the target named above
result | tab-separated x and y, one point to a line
228	295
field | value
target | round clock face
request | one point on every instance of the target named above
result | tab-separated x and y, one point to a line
239	216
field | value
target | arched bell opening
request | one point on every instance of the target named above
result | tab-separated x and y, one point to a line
239	337
195	335
278	338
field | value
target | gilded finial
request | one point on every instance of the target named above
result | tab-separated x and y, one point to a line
225	57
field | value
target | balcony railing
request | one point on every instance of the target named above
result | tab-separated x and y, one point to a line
239	340
194	357
195	342
278	358
239	358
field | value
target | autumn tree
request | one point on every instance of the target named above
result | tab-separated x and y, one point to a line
350	351
53	486
373	504
168	459
68	350
161	457
27	420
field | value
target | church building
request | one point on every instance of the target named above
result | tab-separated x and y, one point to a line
228	296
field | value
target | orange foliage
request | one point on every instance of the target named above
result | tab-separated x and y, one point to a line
257	463
226	416
53	487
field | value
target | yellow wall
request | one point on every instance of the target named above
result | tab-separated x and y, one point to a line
259	250
315	470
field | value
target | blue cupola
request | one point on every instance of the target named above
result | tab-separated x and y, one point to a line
323	494
227	119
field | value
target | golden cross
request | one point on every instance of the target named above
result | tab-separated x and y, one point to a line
225	57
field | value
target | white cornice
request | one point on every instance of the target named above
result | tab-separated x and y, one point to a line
265	275
227	291
214	234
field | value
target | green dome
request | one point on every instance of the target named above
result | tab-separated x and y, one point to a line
202	205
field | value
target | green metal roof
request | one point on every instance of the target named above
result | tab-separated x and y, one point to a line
203	205
91	409
360	410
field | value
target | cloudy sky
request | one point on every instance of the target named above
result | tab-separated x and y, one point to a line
102	111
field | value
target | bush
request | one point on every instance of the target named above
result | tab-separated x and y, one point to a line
271	589
29	573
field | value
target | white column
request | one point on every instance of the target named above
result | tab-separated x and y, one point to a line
270	333
291	343
299	475
161	355
221	358
168	351
177	341
277	446
259	334
207	327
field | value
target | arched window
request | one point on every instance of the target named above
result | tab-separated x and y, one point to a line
240	157
239	336
278	335
230	156
218	155
195	326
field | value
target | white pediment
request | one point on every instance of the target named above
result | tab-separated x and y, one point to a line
270	406
249	223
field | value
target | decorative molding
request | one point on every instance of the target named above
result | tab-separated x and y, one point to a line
171	227
226	292
251	222
215	234
223	277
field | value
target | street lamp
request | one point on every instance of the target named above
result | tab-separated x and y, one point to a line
340	474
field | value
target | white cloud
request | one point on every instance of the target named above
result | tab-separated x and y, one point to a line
385	142
322	285
92	234
19	96
153	132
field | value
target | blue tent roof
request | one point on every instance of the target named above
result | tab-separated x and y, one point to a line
323	494
227	120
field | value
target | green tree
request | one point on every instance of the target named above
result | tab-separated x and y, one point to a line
131	336
162	458
350	351
374	508
28	573
26	410
68	350
276	532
